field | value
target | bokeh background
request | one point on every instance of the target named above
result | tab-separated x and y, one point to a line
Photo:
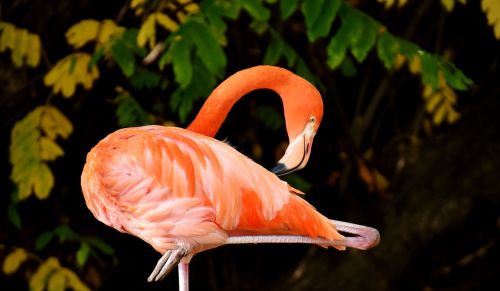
409	143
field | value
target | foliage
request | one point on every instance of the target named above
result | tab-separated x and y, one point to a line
175	52
49	275
71	71
490	7
32	146
25	46
492	10
129	112
89	246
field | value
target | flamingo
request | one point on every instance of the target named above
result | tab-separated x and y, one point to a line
184	192
302	104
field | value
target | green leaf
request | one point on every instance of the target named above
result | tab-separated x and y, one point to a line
290	55
229	9
323	22
201	86
338	44
96	57
214	16
181	59
311	10
303	70
100	245
72	64
287	8
43	240
259	26
82	254
269	116
348	68
256	9
361	45
207	47
387	48
13	215
430	69
129	38
408	48
123	57
145	79
298	182
64	232
455	78
274	51
129	112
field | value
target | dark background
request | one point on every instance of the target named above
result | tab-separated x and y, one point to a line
439	219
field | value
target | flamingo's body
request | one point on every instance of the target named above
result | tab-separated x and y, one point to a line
171	186
184	192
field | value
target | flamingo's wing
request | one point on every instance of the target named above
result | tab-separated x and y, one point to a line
142	182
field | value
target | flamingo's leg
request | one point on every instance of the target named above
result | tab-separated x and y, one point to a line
183	276
166	263
364	237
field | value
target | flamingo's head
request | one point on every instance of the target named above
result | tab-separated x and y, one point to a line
302	124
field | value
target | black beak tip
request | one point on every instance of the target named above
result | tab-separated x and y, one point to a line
280	169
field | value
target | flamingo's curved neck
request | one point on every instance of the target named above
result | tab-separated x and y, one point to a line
289	87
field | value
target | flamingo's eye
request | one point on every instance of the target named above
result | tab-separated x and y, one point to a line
312	119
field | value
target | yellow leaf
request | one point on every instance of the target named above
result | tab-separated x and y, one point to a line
382	184
439	114
415	65
402	3
54	123
433	101
43	181
427	92
28	150
390	3
23	45
55	73
136	3
57	281
24	151
373	179
14	260
109	29
453	116
24	189
147	33
400	61
448	4
166	22
449	95
20	47
194	8
181	16
69	72
492	10
7	38
82	32
39	279
68	85
49	150
73	281
34	51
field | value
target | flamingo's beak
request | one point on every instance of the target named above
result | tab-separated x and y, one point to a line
297	154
